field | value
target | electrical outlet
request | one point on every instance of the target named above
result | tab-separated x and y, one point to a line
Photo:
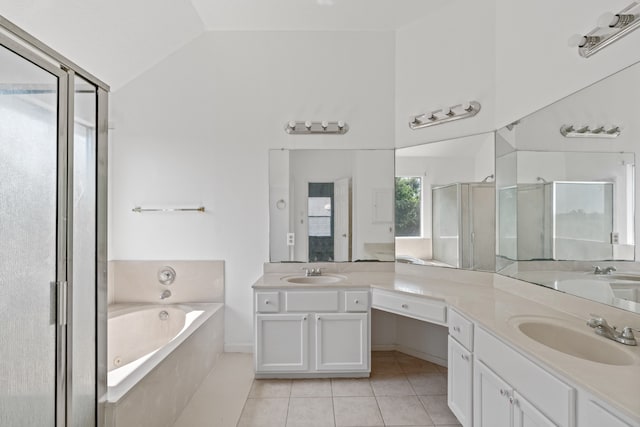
615	238
291	239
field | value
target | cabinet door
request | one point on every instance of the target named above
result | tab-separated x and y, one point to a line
527	415
491	407
459	379
342	342
282	342
594	415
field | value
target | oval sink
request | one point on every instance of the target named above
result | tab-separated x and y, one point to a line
576	343
314	280
623	276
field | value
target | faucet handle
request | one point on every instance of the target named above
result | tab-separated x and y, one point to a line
596	320
597	269
627	332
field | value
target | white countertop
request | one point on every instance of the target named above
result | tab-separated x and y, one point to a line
491	300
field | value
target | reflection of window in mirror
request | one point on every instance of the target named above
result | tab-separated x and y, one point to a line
320	221
408	205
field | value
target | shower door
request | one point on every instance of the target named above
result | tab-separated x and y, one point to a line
32	230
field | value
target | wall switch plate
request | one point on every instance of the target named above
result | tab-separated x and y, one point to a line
615	238
291	239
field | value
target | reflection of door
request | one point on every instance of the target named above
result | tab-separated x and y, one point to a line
342	220
320	221
483	220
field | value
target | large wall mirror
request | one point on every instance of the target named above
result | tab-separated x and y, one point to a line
566	190
445	203
331	205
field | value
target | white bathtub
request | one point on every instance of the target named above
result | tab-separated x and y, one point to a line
142	336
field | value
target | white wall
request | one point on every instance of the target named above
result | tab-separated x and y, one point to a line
534	64
197	128
442	60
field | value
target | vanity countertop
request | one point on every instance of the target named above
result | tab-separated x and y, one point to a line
493	302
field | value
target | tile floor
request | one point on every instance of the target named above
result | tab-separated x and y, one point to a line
402	391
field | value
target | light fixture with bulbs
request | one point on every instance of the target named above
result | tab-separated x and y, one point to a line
320	128
444	115
570	131
611	27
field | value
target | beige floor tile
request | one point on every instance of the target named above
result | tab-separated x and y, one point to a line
385	366
383	355
438	409
428	383
403	411
310	412
221	396
391	385
270	388
357	411
351	387
410	364
264	413
311	388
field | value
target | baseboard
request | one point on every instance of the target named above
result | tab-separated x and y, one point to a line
384	347
238	348
420	355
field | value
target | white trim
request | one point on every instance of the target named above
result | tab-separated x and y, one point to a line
238	348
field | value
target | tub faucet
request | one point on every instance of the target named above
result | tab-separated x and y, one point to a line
165	294
604	329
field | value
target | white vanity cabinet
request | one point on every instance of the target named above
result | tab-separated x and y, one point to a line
460	372
511	390
312	332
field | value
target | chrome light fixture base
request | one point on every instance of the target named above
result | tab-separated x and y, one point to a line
316	128
569	131
445	115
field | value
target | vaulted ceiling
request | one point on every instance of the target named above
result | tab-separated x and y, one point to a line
117	40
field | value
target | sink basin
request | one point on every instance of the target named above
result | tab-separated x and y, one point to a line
314	280
581	344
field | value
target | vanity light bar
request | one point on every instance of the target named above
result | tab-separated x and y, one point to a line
569	131
139	209
610	28
444	115
319	128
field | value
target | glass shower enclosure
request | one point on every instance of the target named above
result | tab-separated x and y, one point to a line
52	236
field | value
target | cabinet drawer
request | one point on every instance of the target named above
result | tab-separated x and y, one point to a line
543	390
434	311
311	301
267	302
356	301
461	329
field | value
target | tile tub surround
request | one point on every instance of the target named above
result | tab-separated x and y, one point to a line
344	402
158	399
491	300
137	281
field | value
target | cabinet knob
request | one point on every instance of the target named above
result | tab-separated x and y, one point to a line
456	328
267	301
319	318
513	400
304	318
465	357
502	392
405	306
355	301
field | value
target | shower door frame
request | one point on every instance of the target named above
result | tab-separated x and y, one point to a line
28	47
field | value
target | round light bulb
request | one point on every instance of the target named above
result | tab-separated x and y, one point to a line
577	40
466	106
608	20
292	124
307	124
445	111
340	124
325	124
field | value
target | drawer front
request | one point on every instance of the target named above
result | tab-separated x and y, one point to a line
356	301
535	384
461	329
434	311
267	302
311	301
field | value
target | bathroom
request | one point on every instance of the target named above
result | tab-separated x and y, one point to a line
199	98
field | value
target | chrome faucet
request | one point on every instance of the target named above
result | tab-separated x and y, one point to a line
604	329
607	270
165	294
312	271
